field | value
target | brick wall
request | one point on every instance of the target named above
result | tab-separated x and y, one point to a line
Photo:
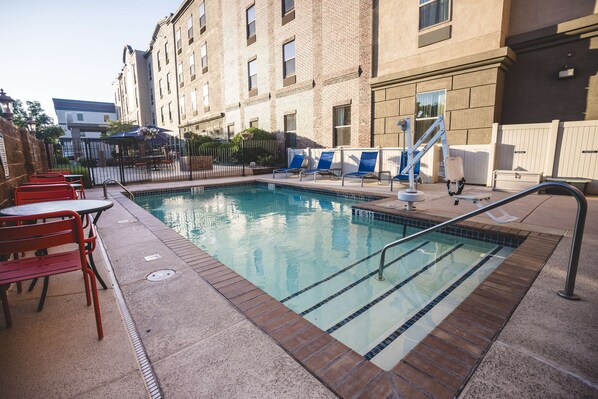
25	155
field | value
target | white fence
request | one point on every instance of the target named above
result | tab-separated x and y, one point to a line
556	149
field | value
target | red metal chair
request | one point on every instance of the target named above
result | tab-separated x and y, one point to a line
56	177
17	234
53	177
31	193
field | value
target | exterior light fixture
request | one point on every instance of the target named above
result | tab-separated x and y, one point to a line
6	105
31	124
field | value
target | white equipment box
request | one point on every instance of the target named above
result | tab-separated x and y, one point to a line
514	180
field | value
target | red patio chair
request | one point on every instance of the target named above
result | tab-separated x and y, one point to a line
31	193
53	177
17	234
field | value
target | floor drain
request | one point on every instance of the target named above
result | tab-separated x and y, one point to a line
160	275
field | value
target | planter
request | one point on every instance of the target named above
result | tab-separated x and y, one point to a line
197	163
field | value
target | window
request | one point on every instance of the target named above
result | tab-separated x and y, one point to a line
182	106
168	82
230	131
342	125
428	107
252	74
192	65
152	96
202	17
251	22
288	55
162	113
149	70
170	111
106	117
79	117
166	52
179	71
204	57
158	60
433	12
177	38
206	98
254	123
287	6
160	88
194	101
290	123
190	28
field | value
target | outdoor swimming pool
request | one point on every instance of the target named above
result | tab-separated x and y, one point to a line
310	252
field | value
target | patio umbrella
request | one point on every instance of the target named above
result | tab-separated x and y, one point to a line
159	138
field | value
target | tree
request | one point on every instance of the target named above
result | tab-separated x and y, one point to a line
34	110
44	127
49	134
119	126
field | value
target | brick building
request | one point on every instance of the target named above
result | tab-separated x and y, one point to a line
343	73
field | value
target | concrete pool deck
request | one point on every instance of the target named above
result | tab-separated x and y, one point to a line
199	345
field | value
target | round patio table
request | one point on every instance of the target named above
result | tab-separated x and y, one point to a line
81	206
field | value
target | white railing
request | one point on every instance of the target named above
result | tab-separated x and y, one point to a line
557	149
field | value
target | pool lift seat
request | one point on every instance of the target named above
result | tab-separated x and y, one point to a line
453	167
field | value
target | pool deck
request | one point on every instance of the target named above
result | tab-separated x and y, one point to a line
201	345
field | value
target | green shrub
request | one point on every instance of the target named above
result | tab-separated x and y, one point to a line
89	163
112	162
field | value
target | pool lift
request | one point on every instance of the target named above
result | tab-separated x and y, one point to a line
453	171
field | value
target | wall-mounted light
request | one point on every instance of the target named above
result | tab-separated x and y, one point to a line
6	105
568	71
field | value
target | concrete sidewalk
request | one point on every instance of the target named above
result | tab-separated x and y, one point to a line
200	346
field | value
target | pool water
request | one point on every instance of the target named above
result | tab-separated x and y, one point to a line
307	250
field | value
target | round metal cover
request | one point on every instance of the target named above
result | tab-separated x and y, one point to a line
160	275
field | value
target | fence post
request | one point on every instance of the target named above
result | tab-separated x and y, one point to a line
553	137
342	160
188	142
492	154
243	155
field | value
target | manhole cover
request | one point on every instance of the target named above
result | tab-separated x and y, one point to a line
160	275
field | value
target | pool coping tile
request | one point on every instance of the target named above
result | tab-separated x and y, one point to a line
439	366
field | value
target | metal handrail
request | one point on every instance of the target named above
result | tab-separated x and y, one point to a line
582	207
105	184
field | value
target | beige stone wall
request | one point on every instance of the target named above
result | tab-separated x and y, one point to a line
529	15
473	102
476	27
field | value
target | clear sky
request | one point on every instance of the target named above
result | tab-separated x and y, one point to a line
71	48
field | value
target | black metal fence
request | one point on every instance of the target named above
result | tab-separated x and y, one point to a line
131	160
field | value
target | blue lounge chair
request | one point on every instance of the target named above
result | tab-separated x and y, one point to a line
367	164
405	178
294	167
323	167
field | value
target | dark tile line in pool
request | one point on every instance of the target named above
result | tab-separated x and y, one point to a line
403	328
420	373
494	237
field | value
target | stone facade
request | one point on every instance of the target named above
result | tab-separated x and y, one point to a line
25	155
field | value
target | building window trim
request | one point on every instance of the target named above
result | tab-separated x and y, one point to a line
202	17
341	124
250	24
438	109
424	3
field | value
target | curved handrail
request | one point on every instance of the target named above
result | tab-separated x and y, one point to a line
105	183
582	208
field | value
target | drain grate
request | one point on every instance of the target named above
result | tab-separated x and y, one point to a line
160	275
145	366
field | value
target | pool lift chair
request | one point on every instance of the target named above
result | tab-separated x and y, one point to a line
453	167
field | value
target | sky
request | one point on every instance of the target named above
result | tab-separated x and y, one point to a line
71	49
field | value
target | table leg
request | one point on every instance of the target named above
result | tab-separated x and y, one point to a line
95	271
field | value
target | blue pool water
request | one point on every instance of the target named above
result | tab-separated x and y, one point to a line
308	251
